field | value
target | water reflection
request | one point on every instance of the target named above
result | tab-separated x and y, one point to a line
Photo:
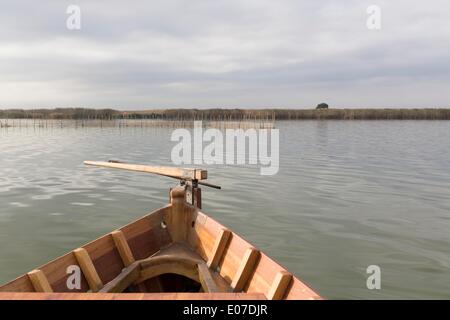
348	195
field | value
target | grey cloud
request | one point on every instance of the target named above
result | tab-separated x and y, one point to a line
200	53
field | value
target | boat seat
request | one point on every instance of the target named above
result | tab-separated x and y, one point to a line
178	259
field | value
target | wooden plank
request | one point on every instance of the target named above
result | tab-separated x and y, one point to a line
232	257
150	272
263	277
279	285
39	281
56	272
201	240
179	173
142	225
146	235
176	264
123	280
123	247
88	269
20	284
105	257
206	279
219	248
298	290
245	269
130	296
185	251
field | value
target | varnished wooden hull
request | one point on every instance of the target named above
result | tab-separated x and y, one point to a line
178	231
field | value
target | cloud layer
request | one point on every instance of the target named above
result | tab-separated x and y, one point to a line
224	53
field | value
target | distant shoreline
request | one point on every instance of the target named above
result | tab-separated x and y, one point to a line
229	114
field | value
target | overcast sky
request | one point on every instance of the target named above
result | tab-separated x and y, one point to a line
224	53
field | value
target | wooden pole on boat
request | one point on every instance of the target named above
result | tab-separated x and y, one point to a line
179	173
182	174
178	218
189	178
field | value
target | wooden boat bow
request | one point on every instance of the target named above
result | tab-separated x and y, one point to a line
177	248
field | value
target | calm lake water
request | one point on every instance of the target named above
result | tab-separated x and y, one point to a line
348	194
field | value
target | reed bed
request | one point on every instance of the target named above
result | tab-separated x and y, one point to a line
131	123
364	114
221	115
